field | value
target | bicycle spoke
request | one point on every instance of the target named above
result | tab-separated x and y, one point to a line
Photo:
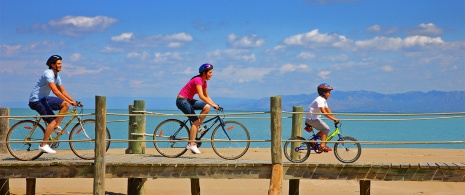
347	151
85	136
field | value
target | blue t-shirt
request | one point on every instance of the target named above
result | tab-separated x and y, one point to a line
42	89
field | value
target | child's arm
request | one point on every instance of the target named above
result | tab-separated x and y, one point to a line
327	112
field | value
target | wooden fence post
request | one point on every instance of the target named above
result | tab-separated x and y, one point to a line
276	149
365	187
294	184
4	127
137	124
100	144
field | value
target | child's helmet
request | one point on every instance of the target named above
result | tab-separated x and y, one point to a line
205	67
324	87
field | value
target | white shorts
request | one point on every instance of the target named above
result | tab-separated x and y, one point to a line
318	124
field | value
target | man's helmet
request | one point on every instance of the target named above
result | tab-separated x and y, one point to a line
205	67
53	59
324	87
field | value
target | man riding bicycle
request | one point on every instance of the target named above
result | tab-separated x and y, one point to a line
40	101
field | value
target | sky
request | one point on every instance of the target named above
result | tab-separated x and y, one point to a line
259	48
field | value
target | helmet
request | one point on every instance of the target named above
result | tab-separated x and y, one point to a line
53	59
324	87
205	67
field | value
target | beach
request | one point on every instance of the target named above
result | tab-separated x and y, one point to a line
161	186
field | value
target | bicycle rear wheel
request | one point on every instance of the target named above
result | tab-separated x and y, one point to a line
171	129
349	151
297	152
85	136
19	132
232	131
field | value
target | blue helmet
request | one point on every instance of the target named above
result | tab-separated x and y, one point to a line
324	87
205	67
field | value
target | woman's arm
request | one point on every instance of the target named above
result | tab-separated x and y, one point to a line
203	95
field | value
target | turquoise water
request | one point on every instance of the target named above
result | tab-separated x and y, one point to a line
435	128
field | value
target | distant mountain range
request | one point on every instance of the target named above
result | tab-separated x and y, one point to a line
351	101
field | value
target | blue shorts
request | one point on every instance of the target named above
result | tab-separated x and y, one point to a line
46	106
188	107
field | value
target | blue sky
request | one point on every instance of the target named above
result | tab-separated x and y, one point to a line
258	48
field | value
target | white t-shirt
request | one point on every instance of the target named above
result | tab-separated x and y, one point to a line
314	108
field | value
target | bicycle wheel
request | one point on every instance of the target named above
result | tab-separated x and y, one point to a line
297	152
19	132
349	151
232	131
85	136
171	129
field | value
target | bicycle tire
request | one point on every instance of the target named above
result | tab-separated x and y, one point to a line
171	129
349	151
294	155
18	132
230	150
85	135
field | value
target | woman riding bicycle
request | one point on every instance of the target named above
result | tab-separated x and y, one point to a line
187	104
316	108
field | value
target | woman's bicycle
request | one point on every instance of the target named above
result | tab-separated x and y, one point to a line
348	150
171	137
24	137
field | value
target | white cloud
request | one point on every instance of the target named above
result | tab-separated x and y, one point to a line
427	29
75	25
123	37
380	43
291	68
417	40
306	56
167	56
72	70
324	74
315	39
374	29
245	41
235	54
9	50
387	68
75	57
108	49
243	74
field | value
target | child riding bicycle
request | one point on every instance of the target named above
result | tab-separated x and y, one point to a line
316	108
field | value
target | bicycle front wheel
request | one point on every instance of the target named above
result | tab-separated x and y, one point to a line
231	131
82	139
21	131
296	152
167	138
348	151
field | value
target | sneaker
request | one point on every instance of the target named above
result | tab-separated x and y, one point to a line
193	149
58	129
200	131
46	149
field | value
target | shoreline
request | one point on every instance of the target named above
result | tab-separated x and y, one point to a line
114	186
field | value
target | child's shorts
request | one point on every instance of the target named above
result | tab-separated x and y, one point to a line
318	124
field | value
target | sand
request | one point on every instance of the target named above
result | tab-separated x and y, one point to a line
260	186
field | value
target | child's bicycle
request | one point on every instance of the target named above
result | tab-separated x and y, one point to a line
23	137
171	137
348	150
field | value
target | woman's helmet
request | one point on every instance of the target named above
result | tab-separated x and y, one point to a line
324	87
53	59
205	67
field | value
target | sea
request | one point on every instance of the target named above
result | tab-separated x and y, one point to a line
373	130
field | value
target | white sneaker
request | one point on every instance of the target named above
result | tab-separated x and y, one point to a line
58	129
46	149
193	149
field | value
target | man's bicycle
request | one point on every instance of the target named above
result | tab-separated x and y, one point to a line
348	150
171	137
24	137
